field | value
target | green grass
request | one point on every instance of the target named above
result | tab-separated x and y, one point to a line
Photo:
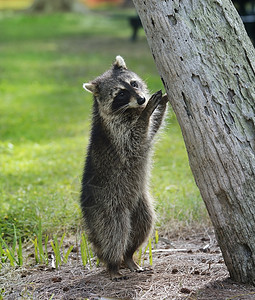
45	119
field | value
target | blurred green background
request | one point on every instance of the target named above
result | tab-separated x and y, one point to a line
45	118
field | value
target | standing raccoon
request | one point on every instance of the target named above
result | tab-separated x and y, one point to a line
115	201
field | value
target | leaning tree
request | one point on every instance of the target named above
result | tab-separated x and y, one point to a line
206	63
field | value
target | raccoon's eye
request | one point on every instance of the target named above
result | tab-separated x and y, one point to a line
121	99
121	95
134	84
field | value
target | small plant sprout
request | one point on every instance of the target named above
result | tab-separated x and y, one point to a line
86	252
56	249
2	290
150	250
66	255
84	256
46	250
142	254
56	246
97	262
2	254
36	250
19	252
10	256
14	253
156	237
40	243
41	256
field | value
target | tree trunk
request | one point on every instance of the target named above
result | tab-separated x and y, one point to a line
206	62
50	6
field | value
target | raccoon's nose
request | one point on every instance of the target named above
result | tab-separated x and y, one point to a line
140	100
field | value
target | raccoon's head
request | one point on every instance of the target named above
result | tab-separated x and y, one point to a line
118	90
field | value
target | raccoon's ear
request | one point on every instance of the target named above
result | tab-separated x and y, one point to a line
119	62
90	87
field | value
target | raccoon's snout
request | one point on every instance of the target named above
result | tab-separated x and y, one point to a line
140	101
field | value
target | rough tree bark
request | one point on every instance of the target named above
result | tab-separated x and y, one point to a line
50	6
206	63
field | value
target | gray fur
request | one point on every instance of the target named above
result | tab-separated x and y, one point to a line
115	199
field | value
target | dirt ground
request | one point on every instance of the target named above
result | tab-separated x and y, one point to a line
190	267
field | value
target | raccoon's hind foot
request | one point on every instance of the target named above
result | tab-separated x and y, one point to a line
115	274
133	266
118	276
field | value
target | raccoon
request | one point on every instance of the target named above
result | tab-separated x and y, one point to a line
115	201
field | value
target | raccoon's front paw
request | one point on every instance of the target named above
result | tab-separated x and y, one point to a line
154	100
152	104
164	99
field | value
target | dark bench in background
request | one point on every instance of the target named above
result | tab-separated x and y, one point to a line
135	24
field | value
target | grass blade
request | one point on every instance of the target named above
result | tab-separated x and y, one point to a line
139	260
1	253
56	250
89	252
62	240
65	257
86	251
9	253
40	243
145	250
36	250
97	262
150	250
20	256
14	239
156	237
10	257
46	250
84	256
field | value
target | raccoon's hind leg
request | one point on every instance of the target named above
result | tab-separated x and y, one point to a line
112	231
141	225
132	265
114	272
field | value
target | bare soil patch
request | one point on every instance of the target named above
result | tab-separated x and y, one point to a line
183	268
